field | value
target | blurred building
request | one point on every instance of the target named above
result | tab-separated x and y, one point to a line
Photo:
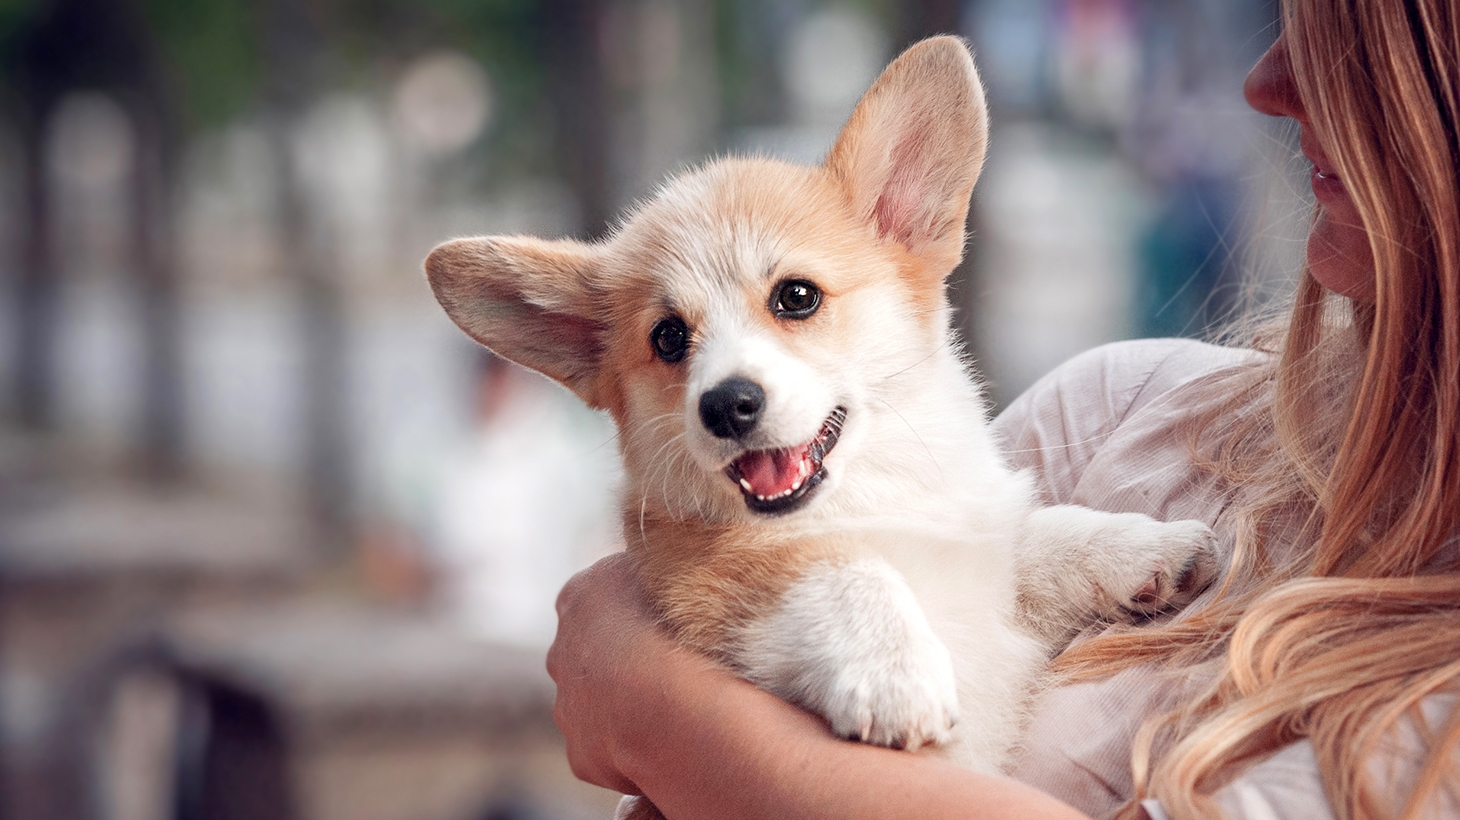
275	538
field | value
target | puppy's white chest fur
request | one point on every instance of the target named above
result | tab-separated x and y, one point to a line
907	638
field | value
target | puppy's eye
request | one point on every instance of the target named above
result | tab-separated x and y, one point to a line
670	338
795	299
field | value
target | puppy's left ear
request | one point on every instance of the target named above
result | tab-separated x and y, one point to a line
530	300
914	147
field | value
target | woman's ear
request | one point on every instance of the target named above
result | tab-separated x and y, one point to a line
529	300
914	147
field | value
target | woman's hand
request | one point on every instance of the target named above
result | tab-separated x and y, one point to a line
609	661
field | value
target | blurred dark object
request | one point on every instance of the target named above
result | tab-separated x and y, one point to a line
173	655
578	87
95	571
511	808
100	45
291	42
384	715
233	757
927	18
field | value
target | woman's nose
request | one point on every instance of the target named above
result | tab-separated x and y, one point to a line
1269	87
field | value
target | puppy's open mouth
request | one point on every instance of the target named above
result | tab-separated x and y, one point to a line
778	481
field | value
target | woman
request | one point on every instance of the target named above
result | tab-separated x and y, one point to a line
1319	679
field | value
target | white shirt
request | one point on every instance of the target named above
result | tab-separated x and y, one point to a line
1112	429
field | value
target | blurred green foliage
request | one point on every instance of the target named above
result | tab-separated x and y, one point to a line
14	15
216	48
216	57
371	41
210	52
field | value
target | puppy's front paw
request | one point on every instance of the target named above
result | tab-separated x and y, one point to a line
850	643
1174	562
903	699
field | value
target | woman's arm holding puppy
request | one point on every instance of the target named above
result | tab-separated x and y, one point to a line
642	714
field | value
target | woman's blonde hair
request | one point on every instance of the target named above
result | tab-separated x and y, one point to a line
1342	608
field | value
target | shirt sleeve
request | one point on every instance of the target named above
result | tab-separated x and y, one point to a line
1058	425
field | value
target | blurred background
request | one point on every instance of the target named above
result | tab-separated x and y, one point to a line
276	540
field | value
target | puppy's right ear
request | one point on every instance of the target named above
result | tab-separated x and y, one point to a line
529	300
914	147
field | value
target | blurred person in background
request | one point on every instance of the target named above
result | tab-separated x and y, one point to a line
1319	679
522	505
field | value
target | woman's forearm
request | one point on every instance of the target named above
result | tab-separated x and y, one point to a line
716	747
640	712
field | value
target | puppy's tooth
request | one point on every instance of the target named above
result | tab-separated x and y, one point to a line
746	485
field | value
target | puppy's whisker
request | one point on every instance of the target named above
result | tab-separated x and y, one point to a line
661	467
643	503
663	418
673	440
684	471
664	475
939	349
677	467
654	427
911	429
611	439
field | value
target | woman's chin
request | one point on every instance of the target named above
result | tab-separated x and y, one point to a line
1339	256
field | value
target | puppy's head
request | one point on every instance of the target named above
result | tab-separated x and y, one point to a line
746	326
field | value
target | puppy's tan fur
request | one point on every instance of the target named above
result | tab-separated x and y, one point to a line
709	582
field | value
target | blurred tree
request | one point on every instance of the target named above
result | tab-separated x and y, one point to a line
210	48
50	50
580	101
919	19
749	37
15	15
518	44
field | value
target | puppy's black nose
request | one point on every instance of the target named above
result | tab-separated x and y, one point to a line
731	408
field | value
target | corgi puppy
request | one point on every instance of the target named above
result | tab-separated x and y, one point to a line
812	491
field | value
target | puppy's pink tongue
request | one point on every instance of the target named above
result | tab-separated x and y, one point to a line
772	472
